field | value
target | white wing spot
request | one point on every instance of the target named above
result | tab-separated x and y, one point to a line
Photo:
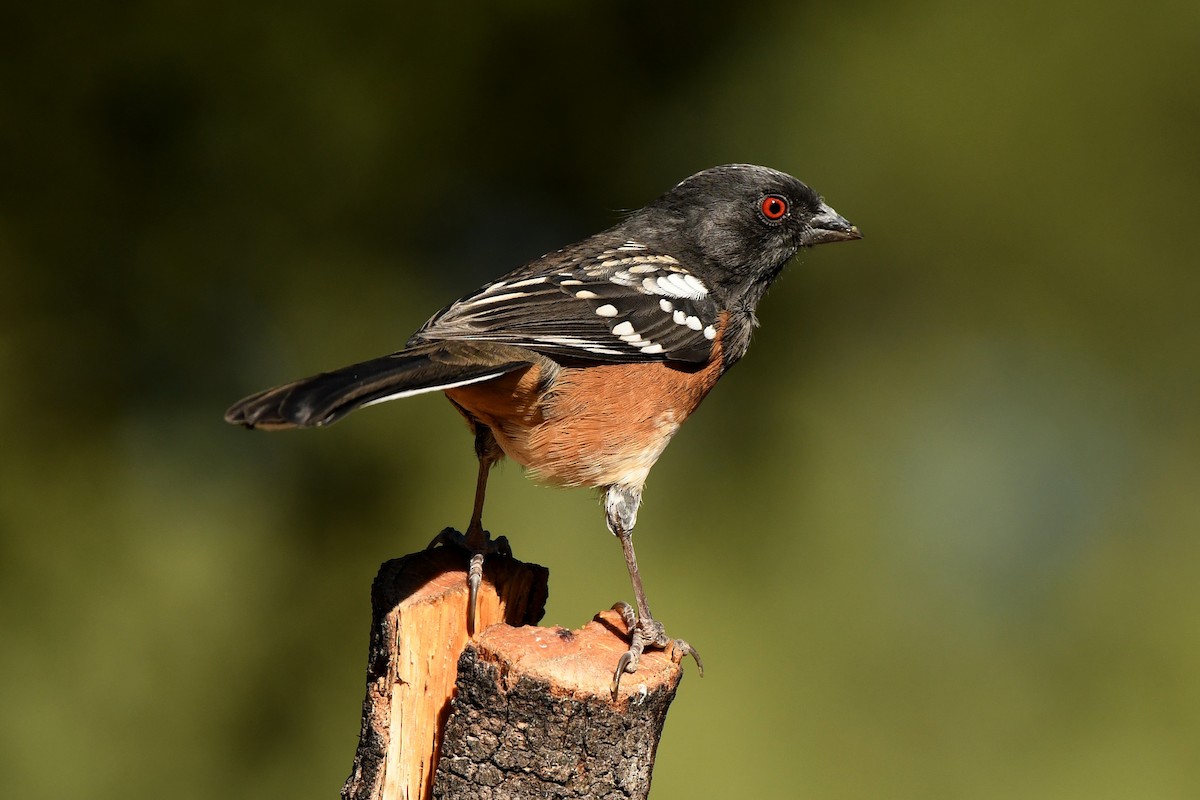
666	305
680	317
526	282
623	329
652	349
676	284
694	323
607	310
582	344
584	294
710	333
496	298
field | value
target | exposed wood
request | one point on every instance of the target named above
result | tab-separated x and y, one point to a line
534	718
418	631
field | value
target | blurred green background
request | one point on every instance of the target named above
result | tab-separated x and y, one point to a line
936	537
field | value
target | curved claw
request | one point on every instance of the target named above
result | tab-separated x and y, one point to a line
622	667
474	579
688	650
647	632
478	544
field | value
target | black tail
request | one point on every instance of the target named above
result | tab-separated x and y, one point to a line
328	397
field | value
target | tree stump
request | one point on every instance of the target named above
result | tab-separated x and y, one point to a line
534	716
517	712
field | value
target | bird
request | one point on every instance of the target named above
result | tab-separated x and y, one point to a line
582	364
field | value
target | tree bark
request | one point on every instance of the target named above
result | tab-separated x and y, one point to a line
534	717
418	631
517	712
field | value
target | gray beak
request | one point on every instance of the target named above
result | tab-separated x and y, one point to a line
828	226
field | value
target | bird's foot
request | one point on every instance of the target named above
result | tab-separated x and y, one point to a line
478	544
646	632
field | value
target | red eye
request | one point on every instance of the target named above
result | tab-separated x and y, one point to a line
773	207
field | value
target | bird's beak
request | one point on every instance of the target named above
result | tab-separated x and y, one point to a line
828	226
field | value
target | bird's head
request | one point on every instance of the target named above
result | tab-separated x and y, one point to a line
744	222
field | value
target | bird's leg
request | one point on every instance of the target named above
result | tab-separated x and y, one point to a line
488	453
477	541
621	507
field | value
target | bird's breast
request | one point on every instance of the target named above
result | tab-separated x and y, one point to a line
595	424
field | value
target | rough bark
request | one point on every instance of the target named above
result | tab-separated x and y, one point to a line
517	712
533	716
418	631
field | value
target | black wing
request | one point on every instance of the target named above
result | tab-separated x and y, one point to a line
621	303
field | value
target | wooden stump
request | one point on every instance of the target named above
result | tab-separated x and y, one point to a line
532	715
534	718
418	631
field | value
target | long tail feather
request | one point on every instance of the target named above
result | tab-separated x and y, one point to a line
326	398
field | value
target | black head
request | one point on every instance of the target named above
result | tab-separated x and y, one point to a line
743	223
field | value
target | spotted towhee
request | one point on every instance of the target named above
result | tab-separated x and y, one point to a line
582	364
